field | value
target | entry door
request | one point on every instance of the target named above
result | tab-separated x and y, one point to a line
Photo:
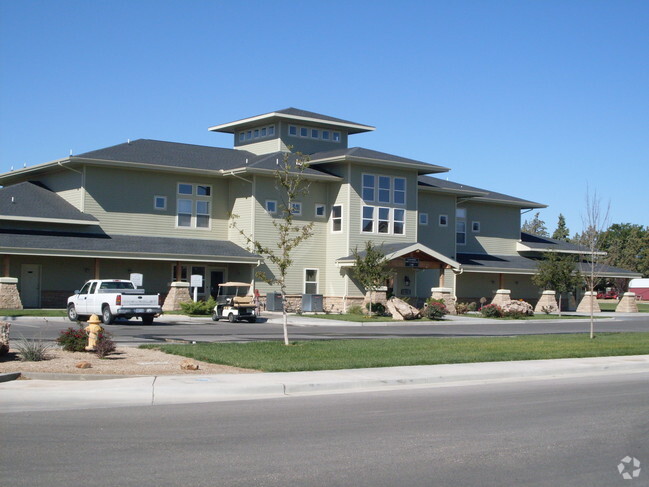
30	285
216	278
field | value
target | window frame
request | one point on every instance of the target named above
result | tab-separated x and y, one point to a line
298	205
475	227
423	219
324	210
335	218
458	232
442	221
395	221
316	282
155	202
274	203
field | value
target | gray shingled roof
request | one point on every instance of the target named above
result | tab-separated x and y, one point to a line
487	195
304	113
545	244
123	245
361	153
30	200
527	265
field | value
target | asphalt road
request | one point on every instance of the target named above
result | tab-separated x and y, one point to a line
540	433
204	330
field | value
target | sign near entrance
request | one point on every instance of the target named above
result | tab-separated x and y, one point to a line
196	280
411	262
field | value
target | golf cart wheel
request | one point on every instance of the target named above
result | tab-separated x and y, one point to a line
215	316
231	318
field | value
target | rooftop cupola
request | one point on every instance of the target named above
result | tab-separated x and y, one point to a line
291	129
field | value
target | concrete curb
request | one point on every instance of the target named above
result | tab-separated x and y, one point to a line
42	395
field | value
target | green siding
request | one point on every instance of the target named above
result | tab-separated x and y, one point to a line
434	236
499	229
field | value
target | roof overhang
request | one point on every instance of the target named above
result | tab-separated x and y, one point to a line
232	127
420	167
522	247
65	221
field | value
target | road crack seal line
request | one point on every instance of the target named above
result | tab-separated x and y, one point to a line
153	390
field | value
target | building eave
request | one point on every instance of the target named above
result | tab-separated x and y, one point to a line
232	127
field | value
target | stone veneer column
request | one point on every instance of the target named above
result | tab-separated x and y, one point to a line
628	304
503	296
9	296
444	293
179	293
549	301
380	297
585	303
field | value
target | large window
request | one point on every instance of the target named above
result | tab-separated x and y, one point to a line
193	205
460	226
380	219
310	281
383	189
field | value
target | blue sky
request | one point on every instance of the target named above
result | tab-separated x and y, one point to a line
536	99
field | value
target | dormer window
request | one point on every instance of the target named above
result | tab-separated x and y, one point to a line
258	133
314	133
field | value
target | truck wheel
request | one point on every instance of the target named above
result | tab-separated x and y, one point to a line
231	318
72	313
147	319
215	316
106	315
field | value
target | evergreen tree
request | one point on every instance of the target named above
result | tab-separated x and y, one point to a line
557	272
536	226
562	232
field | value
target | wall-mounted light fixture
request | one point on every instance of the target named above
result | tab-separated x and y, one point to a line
406	281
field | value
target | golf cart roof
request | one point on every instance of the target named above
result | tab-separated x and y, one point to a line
237	284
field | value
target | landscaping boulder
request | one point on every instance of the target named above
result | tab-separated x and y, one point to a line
4	337
400	310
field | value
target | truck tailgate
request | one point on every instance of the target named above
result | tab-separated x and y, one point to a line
138	301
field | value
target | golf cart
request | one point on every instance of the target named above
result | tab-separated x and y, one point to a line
235	302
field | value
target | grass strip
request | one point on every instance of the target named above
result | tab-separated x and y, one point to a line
352	354
14	313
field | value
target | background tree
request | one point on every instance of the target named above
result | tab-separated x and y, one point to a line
562	232
291	185
370	269
594	222
558	272
627	246
535	226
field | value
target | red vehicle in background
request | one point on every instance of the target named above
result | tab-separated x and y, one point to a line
607	295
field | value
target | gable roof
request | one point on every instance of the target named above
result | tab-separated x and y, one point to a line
28	201
359	154
478	194
294	114
396	250
534	243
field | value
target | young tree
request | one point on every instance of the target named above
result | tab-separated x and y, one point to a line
370	269
535	226
594	222
559	273
562	232
291	186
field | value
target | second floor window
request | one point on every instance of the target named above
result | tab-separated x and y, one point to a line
193	205
337	218
383	220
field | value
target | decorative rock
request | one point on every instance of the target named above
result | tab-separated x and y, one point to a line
503	296
188	365
628	304
4	337
589	299
548	302
83	365
400	310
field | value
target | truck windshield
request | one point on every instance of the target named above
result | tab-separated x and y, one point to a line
117	285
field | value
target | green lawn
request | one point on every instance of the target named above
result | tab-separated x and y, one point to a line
33	312
351	354
611	305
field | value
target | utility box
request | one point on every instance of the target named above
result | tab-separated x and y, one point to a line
274	302
312	302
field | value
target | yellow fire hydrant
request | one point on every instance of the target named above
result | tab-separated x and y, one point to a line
93	329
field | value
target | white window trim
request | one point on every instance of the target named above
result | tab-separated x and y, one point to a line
375	220
373	188
456	232
316	282
184	184
324	210
475	227
333	218
439	221
297	204
266	207
164	199
394	191
423	219
394	221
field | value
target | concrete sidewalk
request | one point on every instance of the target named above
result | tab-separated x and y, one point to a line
48	395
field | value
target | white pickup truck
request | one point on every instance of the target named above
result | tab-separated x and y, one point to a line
113	298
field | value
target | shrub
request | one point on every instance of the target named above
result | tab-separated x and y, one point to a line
355	309
517	309
199	307
32	350
105	345
473	306
73	340
491	311
376	308
462	308
435	309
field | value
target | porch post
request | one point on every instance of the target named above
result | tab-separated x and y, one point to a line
442	269
6	260
97	267
179	272
501	281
